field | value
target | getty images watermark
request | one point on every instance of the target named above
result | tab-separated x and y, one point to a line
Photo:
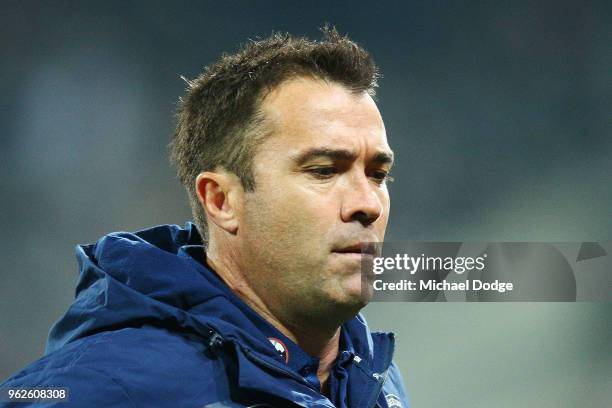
498	272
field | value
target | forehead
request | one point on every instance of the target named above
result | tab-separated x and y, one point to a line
306	113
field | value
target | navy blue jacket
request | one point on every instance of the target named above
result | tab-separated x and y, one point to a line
153	326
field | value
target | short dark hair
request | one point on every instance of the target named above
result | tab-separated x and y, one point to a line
219	123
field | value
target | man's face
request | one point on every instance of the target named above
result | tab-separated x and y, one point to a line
319	193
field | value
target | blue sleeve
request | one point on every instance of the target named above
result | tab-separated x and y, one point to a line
86	388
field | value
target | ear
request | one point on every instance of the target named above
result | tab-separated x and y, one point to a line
219	195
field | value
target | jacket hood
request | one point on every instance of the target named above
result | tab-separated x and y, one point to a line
158	277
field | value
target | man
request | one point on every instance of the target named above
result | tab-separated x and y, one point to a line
284	155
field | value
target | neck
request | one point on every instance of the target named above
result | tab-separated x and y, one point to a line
326	349
319	342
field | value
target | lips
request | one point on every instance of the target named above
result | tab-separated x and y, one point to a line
361	248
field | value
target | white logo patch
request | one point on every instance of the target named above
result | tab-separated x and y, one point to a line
393	401
280	347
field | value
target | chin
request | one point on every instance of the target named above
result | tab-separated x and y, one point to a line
349	304
357	291
338	300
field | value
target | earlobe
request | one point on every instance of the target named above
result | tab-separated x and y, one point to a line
215	191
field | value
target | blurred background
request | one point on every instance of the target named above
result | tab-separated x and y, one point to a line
499	113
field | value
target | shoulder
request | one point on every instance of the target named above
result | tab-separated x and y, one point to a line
85	387
131	367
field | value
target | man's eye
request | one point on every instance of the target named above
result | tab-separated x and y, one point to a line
322	172
382	177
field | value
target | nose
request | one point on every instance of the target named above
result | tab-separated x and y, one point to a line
361	201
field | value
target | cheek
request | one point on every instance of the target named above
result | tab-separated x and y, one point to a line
272	213
290	219
299	205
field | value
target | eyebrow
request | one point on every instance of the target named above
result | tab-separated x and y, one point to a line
339	154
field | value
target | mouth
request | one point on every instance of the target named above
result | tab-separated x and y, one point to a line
358	250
